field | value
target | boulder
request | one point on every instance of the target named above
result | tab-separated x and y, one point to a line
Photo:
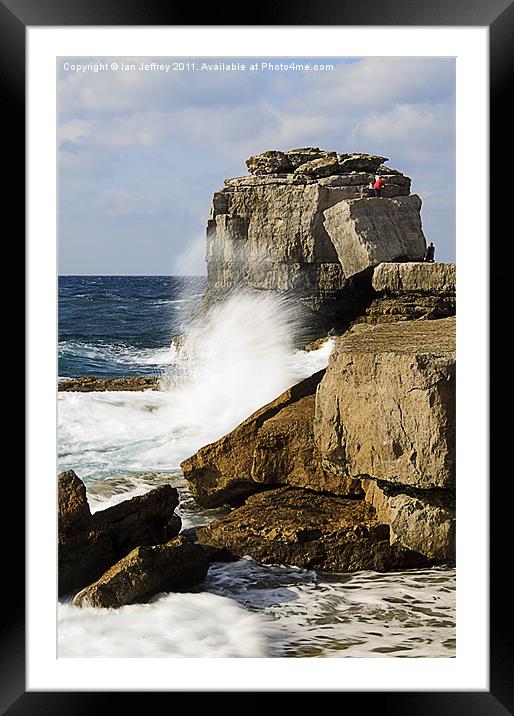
323	167
90	543
73	507
309	530
360	162
385	408
271	162
146	571
273	446
366	232
302	155
421	520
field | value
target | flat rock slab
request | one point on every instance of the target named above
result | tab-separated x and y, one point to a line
415	277
86	384
309	530
146	571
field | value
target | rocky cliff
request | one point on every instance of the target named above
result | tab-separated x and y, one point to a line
303	225
377	427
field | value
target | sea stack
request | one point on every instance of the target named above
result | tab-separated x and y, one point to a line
303	225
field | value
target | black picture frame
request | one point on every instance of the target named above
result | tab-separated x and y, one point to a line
15	17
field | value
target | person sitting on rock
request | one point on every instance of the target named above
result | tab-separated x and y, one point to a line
378	185
371	191
429	254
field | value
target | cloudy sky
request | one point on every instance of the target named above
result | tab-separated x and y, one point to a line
141	152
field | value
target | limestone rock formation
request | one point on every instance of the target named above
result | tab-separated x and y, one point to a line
271	162
273	446
90	543
86	384
303	225
409	291
365	233
415	277
386	406
422	520
146	571
310	530
379	424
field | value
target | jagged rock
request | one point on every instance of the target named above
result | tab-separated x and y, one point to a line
309	530
360	162
421	520
271	162
89	544
386	405
368	231
146	571
323	167
86	384
383	170
300	156
273	446
73	507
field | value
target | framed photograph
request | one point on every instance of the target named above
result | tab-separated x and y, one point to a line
243	248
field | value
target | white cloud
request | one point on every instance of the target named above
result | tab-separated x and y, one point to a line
196	127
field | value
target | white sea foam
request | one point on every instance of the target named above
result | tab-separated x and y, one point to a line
175	625
123	444
236	359
364	614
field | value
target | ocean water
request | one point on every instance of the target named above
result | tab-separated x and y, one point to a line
122	444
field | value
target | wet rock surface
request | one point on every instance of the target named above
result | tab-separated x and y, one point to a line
86	384
273	446
309	530
146	571
90	543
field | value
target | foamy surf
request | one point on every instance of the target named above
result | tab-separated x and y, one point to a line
233	362
236	358
174	625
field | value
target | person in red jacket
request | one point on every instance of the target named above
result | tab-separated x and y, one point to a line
378	185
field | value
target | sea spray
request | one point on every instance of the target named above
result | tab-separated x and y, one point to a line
124	444
235	358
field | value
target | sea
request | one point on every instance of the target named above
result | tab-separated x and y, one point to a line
237	357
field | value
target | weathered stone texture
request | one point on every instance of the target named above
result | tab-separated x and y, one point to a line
386	405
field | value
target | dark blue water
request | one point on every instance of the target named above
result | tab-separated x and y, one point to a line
121	325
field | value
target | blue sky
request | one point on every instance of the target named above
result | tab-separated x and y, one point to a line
140	153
